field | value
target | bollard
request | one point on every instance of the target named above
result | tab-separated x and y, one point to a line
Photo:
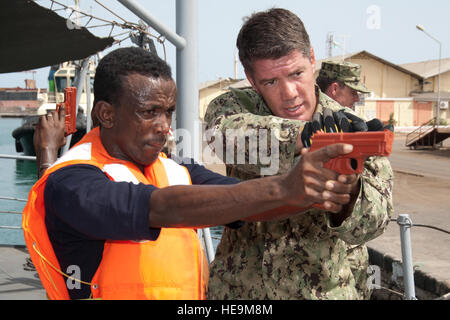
405	224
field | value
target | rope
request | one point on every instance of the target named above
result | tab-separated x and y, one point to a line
426	226
391	291
431	227
56	269
141	28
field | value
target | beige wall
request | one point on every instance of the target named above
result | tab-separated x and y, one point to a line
403	113
384	80
403	110
433	83
367	111
445	114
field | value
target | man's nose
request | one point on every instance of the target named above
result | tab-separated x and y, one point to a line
162	124
288	90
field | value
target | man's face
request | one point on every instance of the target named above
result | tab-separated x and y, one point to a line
345	96
142	118
287	84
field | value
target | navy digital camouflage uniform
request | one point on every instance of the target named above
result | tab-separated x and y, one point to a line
350	74
303	257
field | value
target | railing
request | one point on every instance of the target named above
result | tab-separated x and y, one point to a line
11	212
420	132
14	157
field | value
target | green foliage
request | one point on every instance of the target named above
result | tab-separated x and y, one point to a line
392	120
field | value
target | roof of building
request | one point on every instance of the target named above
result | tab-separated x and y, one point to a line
221	82
244	83
429	68
363	53
431	96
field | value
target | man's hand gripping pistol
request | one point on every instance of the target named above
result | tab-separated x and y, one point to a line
368	139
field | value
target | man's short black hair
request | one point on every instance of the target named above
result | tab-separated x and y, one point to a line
122	62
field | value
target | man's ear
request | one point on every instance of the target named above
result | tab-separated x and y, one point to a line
104	112
332	90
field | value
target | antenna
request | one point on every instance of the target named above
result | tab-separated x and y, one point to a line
330	44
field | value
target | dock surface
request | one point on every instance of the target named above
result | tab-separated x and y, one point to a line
15	282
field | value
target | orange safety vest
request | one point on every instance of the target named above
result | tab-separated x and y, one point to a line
172	267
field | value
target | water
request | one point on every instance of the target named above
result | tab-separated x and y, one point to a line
16	179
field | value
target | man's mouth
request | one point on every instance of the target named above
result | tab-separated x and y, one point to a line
293	109
157	144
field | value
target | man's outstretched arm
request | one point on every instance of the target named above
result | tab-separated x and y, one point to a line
200	206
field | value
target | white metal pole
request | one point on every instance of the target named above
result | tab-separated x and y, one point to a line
88	101
438	111
408	271
439	86
140	11
187	116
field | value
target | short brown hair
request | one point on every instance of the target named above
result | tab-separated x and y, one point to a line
271	34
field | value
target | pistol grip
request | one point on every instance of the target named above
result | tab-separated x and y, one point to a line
343	166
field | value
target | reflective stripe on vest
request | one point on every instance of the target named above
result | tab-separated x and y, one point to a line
172	267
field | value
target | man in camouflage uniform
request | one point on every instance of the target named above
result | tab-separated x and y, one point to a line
341	81
304	256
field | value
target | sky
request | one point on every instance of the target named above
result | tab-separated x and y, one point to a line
385	28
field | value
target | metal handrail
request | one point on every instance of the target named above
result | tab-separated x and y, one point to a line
11	198
17	157
11	212
418	133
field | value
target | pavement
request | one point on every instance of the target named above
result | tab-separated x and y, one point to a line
421	190
15	282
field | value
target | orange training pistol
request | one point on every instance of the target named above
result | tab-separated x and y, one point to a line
70	105
365	144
